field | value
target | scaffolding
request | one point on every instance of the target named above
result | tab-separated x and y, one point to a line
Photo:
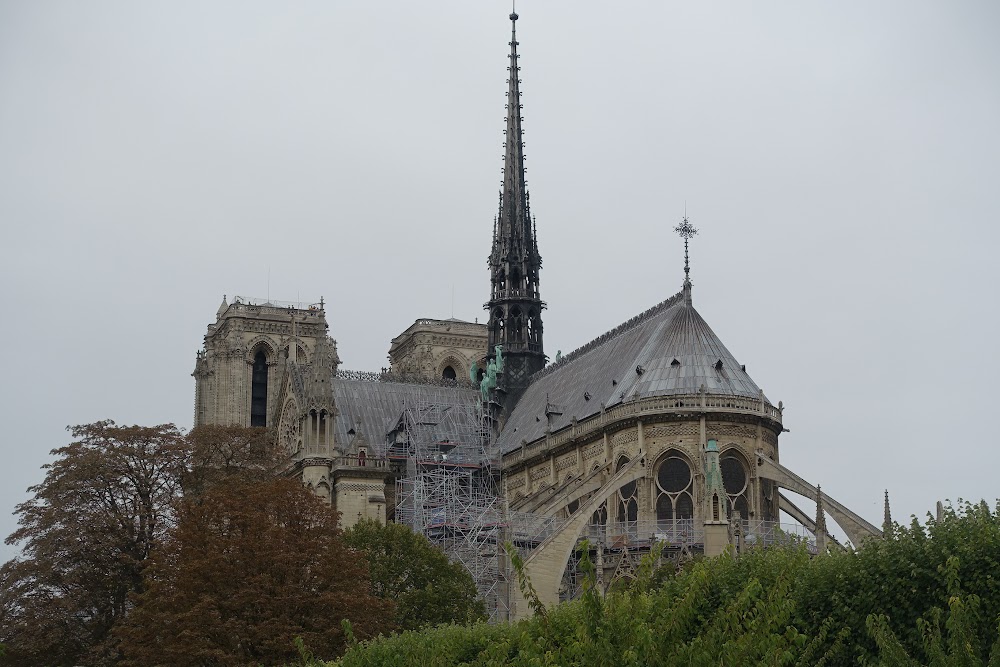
450	491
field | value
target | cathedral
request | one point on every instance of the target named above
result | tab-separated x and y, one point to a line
652	433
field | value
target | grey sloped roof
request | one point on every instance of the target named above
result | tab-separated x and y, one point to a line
606	370
373	408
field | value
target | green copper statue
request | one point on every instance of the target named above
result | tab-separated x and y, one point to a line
494	368
473	372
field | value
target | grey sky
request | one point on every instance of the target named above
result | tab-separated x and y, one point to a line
840	160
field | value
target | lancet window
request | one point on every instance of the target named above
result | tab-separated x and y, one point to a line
736	481
258	390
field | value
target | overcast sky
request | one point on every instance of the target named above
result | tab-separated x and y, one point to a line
842	161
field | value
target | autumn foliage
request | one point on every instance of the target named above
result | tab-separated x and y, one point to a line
148	546
248	569
105	502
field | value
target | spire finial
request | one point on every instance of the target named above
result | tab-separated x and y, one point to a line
686	230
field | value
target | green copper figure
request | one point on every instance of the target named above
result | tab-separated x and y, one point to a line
493	369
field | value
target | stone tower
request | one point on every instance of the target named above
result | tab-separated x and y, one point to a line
239	373
515	307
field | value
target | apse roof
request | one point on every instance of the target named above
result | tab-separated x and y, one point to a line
667	350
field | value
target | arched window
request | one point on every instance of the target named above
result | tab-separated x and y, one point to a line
516	323
674	486
628	499
498	326
448	373
258	390
736	482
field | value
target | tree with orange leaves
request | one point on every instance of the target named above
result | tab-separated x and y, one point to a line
249	568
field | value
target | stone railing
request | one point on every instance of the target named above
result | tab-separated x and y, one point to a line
263	306
374	462
658	405
405	378
689	532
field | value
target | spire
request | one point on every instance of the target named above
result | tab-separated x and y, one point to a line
686	231
821	531
514	224
515	305
886	517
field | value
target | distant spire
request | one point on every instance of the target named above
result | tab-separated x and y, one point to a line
820	522
887	517
686	231
820	514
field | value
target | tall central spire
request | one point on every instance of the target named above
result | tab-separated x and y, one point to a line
515	234
515	307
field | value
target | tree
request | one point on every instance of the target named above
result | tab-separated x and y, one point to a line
406	568
86	534
221	454
249	568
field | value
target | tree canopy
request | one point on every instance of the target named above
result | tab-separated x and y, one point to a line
154	545
248	569
104	503
407	569
928	595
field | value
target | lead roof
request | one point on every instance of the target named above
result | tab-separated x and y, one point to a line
668	350
372	409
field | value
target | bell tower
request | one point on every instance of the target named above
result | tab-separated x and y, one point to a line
515	306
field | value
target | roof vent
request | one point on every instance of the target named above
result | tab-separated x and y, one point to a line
614	383
718	365
675	362
351	432
586	395
640	370
743	368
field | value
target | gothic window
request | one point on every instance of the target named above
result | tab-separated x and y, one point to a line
736	482
674	501
501	282
258	390
600	516
534	326
515	281
515	325
498	326
628	499
448	373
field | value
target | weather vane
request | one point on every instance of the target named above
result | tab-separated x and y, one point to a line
686	230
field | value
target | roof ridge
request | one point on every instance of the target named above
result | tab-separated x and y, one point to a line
620	329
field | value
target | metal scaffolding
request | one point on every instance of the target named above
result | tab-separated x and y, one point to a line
450	491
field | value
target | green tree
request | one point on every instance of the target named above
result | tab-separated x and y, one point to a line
406	568
105	502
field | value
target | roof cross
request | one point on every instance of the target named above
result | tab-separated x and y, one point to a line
686	230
